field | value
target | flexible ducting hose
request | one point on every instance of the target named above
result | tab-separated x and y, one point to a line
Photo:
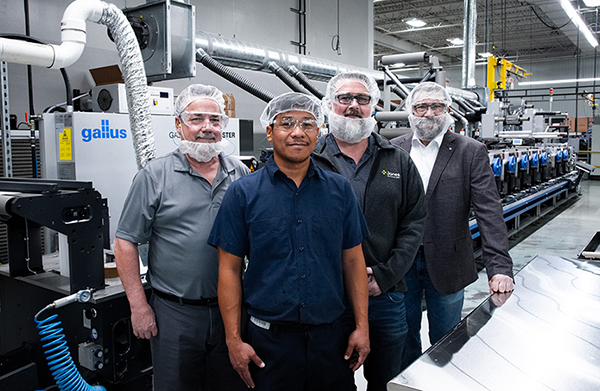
301	77
134	75
238	80
286	78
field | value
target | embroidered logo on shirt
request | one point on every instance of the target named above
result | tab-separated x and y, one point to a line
389	174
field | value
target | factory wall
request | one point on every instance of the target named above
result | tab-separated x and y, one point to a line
269	23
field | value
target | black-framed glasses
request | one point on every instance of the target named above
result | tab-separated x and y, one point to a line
346	99
287	124
422	108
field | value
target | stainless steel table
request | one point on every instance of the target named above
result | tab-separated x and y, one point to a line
543	336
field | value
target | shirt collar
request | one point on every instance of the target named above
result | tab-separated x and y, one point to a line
335	149
437	139
272	168
181	163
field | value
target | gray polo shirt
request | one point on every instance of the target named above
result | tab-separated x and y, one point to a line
173	208
356	173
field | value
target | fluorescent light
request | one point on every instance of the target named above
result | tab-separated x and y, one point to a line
414	22
455	41
486	54
592	3
561	81
574	16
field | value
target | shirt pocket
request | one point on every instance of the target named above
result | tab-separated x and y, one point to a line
270	239
327	236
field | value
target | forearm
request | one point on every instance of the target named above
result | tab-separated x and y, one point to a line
230	295
128	266
355	282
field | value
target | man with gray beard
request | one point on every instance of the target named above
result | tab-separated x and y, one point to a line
456	176
172	204
389	190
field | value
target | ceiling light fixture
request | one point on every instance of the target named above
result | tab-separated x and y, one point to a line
560	81
414	22
592	3
575	18
455	41
486	54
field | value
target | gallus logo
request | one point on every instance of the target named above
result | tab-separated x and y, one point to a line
87	134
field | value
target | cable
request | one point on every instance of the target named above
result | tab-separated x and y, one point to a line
555	27
335	41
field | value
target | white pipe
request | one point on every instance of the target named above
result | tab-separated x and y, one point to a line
73	36
73	30
20	52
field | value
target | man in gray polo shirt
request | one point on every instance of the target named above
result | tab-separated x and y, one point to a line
171	205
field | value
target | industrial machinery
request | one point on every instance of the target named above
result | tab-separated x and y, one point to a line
98	330
533	164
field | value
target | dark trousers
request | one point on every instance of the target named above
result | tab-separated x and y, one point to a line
387	334
189	353
301	358
443	311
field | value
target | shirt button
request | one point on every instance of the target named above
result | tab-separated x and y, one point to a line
303	305
297	194
299	220
301	248
303	276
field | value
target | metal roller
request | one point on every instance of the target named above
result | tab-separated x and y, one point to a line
405	58
389	116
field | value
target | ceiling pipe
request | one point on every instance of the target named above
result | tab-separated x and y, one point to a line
469	43
239	54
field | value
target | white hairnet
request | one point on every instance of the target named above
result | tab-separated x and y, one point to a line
427	90
336	82
291	101
198	91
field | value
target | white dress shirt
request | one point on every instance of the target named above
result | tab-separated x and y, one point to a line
424	156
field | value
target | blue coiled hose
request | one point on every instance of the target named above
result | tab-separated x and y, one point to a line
59	358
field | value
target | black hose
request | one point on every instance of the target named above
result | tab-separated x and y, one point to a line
398	91
235	78
286	78
301	77
29	70
63	72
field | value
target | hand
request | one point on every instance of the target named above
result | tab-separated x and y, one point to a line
240	355
501	283
143	322
374	289
498	299
358	348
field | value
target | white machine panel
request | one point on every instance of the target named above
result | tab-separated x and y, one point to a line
112	98
98	147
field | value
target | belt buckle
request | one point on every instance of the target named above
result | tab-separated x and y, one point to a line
260	323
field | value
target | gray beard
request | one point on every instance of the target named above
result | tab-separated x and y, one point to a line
202	152
350	130
427	129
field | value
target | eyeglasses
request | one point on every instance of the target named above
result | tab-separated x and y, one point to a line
287	124
197	119
346	99
421	108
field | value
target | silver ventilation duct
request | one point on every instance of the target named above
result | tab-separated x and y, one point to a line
469	42
239	54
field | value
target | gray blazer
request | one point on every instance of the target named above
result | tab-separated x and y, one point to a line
461	178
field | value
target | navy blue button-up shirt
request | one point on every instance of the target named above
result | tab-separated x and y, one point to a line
293	238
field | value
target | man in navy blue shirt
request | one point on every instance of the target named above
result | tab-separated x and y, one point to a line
301	229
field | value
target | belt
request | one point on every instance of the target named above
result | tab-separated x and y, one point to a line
167	296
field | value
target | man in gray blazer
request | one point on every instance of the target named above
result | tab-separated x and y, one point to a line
456	176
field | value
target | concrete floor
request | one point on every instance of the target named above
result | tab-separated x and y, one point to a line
565	235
